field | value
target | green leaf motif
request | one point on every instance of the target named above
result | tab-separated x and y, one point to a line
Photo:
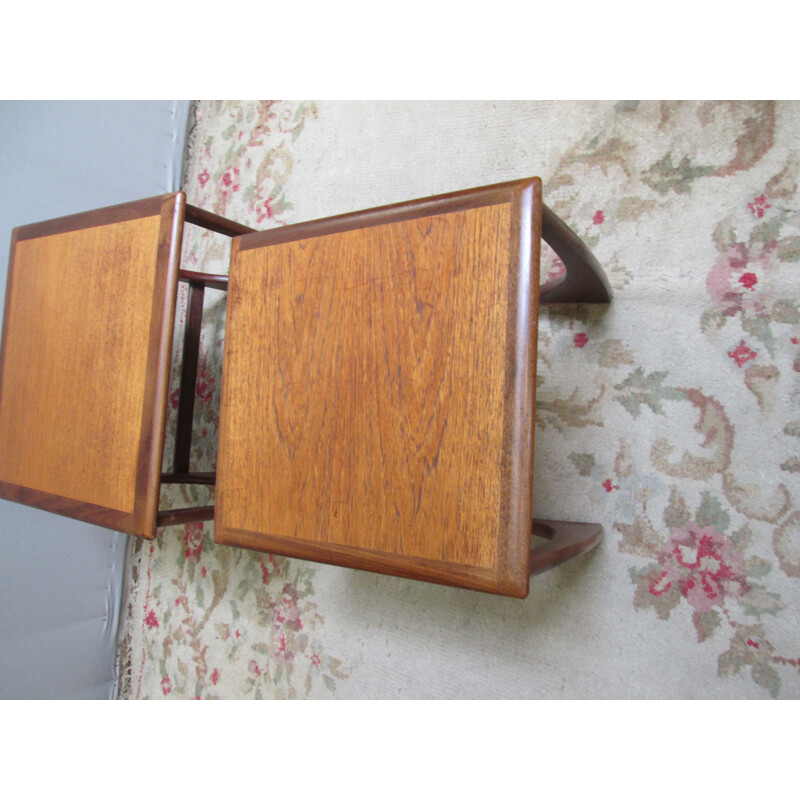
676	514
663	176
792	465
643	598
705	623
712	513
741	538
223	630
758	601
725	235
727	664
767	231
713	319
759	327
639	389
767	676
785	311
583	462
756	567
792	429
789	249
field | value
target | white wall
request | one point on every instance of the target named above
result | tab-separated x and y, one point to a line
61	580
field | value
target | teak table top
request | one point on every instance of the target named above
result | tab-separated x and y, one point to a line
87	336
378	389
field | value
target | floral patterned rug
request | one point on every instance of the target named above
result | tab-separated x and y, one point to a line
672	416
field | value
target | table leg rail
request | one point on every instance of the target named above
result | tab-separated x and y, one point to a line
182	516
566	540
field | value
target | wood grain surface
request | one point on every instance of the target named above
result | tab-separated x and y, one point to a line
377	389
87	331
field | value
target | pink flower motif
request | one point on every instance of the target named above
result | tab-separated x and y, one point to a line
315	660
580	340
748	280
753	644
215	677
703	565
733	279
264	571
598	218
551	265
205	386
254	668
759	206
151	620
193	541
741	354
288	612
282	650
608	486
795	340
203	178
173	398
166	685
265	210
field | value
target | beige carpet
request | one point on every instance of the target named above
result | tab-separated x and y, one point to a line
671	416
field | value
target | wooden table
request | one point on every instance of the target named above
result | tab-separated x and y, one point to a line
378	390
84	365
378	380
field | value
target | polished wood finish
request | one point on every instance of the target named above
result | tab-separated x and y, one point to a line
199	478
182	516
378	386
566	540
187	389
87	334
398	212
584	280
207	280
188	382
378	382
214	222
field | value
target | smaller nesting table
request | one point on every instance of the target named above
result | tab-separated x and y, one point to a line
85	358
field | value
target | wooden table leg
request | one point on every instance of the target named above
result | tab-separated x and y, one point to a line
181	516
584	281
566	540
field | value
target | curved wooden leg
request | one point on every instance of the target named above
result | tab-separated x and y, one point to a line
567	540
584	281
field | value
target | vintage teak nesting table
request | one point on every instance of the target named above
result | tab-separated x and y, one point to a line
377	392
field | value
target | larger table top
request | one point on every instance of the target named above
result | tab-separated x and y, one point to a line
378	389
